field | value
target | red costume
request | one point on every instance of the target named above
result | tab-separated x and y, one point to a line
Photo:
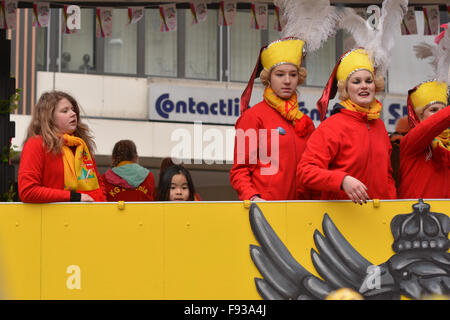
425	171
347	143
41	175
247	178
118	189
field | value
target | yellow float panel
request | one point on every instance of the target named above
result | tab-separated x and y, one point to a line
192	250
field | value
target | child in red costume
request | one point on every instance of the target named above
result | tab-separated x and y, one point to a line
127	180
271	135
57	162
425	150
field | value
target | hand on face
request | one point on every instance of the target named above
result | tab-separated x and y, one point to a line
65	117
361	88
284	80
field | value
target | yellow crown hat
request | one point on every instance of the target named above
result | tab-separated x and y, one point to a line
287	50
423	95
428	93
353	61
350	62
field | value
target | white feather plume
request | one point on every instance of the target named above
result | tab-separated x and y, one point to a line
439	56
380	41
313	21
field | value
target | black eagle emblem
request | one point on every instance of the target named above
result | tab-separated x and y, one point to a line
419	267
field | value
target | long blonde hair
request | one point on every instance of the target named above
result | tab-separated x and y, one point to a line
43	124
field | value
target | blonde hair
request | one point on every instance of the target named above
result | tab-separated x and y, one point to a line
265	76
342	87
43	124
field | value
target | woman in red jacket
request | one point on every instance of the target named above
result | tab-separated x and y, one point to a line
425	150
348	155
57	162
271	135
127	180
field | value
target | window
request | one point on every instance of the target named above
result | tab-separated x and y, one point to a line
121	47
320	64
160	47
245	46
77	51
201	46
41	48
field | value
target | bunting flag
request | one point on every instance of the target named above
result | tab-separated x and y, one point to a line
259	16
8	11
277	23
227	13
103	17
199	11
135	14
41	13
168	13
72	19
431	20
409	23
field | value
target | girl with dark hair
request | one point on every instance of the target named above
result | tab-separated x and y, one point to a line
176	185
127	180
57	161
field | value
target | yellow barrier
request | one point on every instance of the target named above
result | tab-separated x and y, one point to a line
169	250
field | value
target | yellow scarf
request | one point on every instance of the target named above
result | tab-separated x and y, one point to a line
287	108
442	140
79	172
372	113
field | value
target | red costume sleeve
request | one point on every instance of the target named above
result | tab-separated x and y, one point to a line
422	135
241	173
321	148
31	171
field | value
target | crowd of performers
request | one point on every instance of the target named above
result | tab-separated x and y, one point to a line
347	157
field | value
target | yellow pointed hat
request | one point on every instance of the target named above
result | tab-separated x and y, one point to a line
423	95
287	50
353	61
428	93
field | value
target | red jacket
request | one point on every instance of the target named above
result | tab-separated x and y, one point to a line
41	175
279	181
347	143
425	172
118	189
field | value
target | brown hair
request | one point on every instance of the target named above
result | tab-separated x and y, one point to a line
342	87
124	150
265	76
43	124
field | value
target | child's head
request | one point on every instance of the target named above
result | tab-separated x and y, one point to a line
176	185
124	150
57	113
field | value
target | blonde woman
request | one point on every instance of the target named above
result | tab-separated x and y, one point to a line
348	156
57	161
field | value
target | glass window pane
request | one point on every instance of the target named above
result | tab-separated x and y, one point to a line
41	48
201	46
121	48
273	33
160	47
320	64
245	46
77	52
